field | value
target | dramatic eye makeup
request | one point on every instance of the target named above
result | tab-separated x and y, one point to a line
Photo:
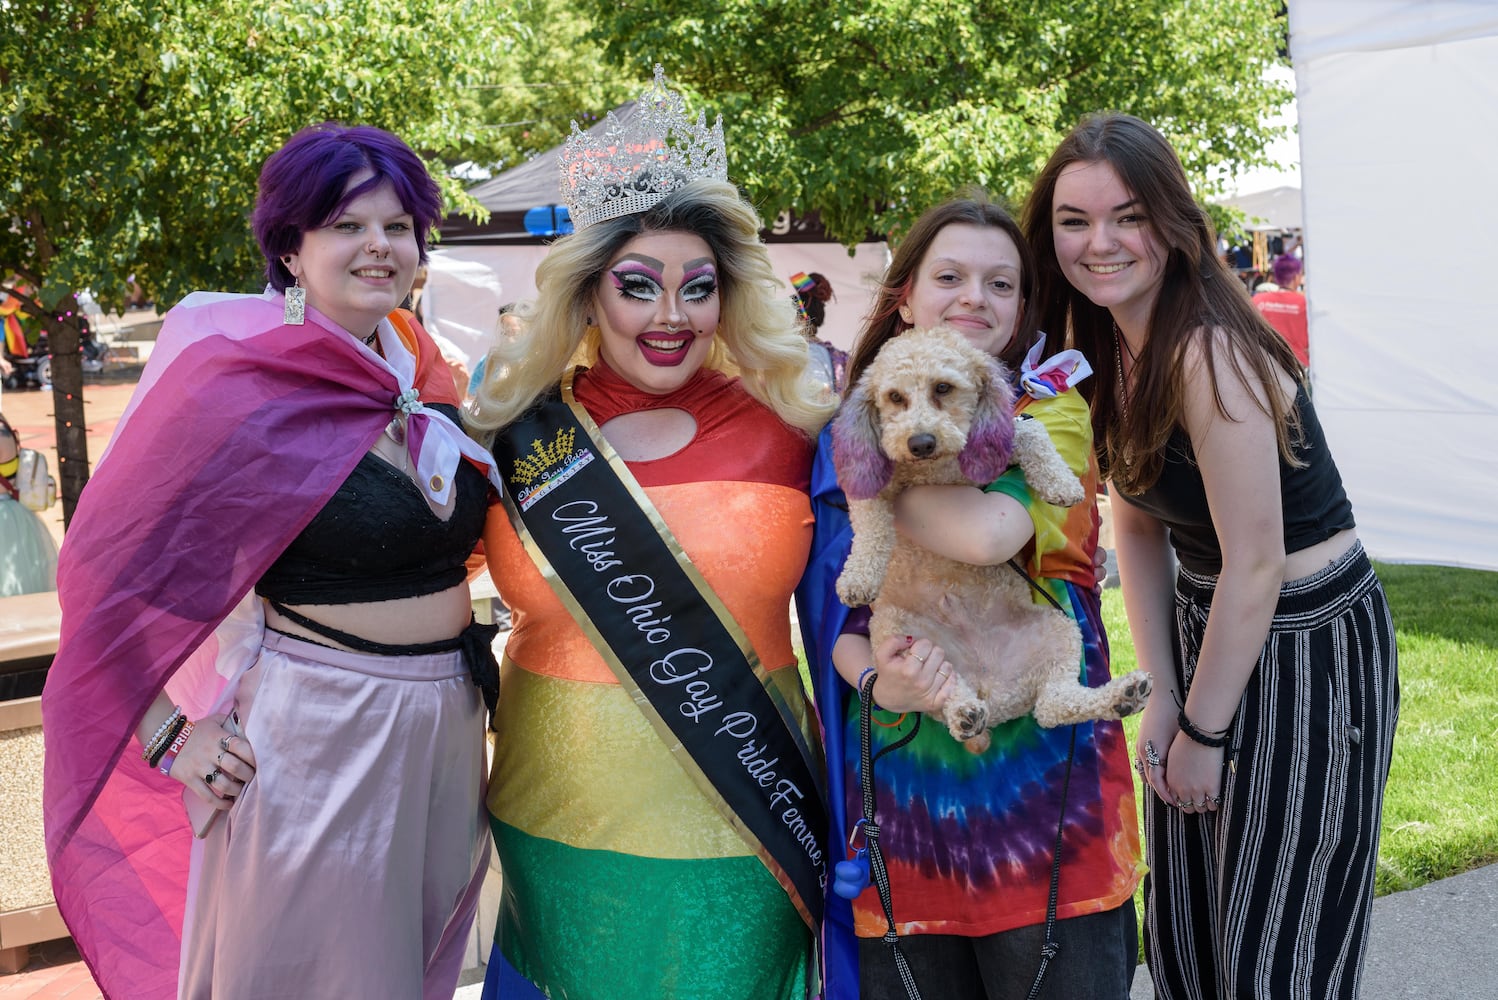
635	280
699	282
642	280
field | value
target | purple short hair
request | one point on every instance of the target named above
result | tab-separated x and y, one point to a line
302	187
1286	268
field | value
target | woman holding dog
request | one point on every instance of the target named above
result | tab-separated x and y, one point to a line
654	797
970	841
1268	737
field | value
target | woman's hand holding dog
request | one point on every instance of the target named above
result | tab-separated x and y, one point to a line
914	675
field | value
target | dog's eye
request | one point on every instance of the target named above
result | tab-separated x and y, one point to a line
942	388
896	397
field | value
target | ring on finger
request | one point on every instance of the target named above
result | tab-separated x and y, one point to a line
223	741
219	760
922	659
1150	756
1139	766
211	776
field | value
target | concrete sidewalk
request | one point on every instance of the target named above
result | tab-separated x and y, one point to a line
1437	942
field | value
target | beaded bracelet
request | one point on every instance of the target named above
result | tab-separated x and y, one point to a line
177	744
1198	736
870	669
161	739
171	736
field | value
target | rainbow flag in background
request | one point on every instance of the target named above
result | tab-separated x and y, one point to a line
15	337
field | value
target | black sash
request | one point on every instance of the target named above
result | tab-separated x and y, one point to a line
614	564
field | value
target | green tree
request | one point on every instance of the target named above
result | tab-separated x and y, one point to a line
868	111
550	73
134	129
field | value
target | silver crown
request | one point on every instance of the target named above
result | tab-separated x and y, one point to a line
637	162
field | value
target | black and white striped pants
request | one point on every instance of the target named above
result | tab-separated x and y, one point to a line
1270	897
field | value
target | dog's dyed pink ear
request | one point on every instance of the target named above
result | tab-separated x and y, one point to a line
990	437
862	468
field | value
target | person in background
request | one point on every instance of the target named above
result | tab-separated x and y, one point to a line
813	291
264	584
1267	739
970	841
654	796
28	556
509	327
1283	304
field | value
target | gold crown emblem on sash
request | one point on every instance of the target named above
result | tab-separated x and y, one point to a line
546	457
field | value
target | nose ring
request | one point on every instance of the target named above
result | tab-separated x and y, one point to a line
672	329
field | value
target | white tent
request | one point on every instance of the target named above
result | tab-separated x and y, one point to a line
1274	210
1398	105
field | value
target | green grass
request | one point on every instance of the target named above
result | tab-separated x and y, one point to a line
1441	806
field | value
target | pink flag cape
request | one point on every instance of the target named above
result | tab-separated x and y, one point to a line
241	430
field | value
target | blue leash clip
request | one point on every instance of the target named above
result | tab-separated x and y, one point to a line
851	877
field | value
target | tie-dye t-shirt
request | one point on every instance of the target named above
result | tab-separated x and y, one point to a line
969	839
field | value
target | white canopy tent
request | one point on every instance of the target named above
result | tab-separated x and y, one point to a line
1398	107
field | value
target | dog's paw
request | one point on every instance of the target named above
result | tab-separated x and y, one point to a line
967	720
1068	493
1134	694
855	592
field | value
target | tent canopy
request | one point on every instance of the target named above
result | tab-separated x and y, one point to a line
508	196
1276	210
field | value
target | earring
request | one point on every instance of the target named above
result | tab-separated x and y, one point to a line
296	304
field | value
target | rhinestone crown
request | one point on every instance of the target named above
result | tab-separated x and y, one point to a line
637	162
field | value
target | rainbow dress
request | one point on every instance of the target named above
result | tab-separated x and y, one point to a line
621	879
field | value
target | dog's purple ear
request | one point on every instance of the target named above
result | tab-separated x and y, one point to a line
862	467
990	438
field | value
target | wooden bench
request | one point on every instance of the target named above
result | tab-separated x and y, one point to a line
29	627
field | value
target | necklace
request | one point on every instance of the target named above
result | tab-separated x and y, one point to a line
1119	346
369	340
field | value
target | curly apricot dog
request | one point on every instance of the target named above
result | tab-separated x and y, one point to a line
933	409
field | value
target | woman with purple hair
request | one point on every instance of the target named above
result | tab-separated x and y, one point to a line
265	585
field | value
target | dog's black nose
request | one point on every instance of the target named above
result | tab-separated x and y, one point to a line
921	445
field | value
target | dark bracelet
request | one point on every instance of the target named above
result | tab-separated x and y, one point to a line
178	724
1198	736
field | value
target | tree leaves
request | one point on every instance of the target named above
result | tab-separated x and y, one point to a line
868	111
135	128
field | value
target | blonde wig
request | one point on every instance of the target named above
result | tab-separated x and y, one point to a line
757	338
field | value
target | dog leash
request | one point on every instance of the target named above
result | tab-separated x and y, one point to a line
852	877
1051	947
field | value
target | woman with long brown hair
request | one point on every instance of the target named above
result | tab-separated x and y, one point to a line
1268	736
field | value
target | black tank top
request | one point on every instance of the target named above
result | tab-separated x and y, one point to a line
1314	505
377	539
